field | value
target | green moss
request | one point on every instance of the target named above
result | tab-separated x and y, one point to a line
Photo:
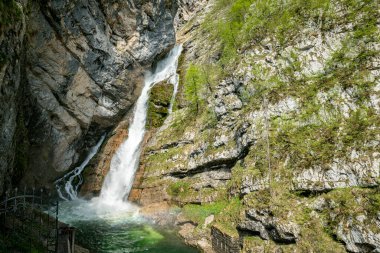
161	160
178	188
198	213
314	238
159	103
256	244
10	12
230	216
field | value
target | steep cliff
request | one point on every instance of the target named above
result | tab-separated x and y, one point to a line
273	143
12	129
82	64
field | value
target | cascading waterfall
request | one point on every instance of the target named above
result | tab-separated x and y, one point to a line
174	80
108	223
67	184
111	204
119	180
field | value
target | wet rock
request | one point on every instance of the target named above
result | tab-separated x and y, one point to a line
189	232
161	213
97	170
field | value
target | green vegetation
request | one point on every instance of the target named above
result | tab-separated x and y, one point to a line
159	102
331	113
227	213
246	22
198	213
179	188
10	12
230	216
194	81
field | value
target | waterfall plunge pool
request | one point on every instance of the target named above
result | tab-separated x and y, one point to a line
101	229
108	223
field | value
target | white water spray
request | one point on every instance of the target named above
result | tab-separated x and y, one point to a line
124	163
71	188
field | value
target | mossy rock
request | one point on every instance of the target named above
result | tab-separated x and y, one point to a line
10	12
159	103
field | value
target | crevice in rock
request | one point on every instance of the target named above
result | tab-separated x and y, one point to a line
169	146
226	163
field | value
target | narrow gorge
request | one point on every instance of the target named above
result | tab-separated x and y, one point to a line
195	126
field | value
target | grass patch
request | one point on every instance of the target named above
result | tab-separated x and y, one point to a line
198	213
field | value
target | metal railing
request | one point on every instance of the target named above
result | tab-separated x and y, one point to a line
30	221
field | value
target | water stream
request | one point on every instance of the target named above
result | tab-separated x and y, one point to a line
119	180
67	186
109	223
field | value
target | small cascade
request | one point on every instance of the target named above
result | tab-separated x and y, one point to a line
67	186
174	80
124	163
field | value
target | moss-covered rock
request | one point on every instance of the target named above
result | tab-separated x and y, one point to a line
159	103
288	97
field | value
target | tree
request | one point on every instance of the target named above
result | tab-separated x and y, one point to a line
194	80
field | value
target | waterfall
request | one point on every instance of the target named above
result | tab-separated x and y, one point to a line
67	182
174	79
124	163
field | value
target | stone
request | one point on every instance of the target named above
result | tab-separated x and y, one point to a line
96	171
82	67
360	171
208	220
270	227
358	237
12	96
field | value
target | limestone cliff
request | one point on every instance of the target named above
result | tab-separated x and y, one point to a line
78	66
273	144
12	31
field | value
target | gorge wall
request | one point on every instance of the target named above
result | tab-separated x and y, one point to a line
273	142
70	71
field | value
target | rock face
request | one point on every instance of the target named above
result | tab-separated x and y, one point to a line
12	32
269	227
360	170
96	171
358	237
83	69
286	137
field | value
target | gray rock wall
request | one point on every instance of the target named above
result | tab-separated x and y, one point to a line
11	47
83	69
